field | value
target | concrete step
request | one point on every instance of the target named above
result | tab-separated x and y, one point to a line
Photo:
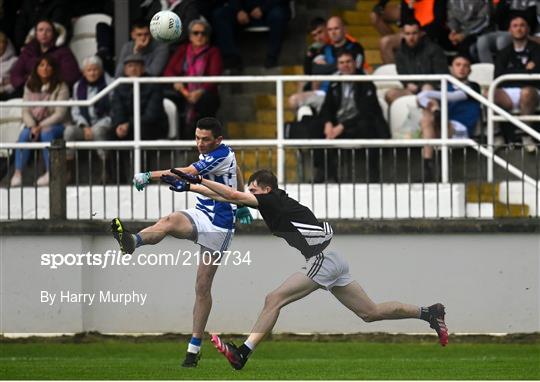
356	17
252	160
373	57
369	42
365	5
251	130
268	116
358	31
503	210
266	101
292	70
488	193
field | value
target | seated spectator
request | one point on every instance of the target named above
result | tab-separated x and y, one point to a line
488	44
7	60
325	63
351	110
463	112
467	20
91	123
196	58
310	93
155	53
153	119
431	15
522	56
42	123
44	43
416	55
247	13
31	11
187	10
383	16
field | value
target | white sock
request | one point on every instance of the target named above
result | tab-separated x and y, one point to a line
193	348
250	345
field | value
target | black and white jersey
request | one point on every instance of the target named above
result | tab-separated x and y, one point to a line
288	219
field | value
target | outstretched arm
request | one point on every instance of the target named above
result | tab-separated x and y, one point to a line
230	195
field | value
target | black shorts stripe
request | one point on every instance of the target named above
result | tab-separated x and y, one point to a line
316	266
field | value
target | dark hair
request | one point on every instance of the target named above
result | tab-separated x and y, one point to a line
34	81
411	20
139	24
212	124
522	15
264	178
316	22
51	23
461	55
344	52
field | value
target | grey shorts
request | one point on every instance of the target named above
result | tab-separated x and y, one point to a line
328	270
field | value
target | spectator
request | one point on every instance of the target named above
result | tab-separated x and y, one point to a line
490	43
30	12
339	41
383	16
351	110
196	58
310	93
467	20
42	123
7	59
274	14
463	111
93	122
155	53
416	55
431	15
44	43
187	10
522	56
153	119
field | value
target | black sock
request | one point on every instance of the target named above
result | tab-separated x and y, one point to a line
424	313
244	351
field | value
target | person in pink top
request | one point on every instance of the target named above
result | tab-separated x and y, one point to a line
192	59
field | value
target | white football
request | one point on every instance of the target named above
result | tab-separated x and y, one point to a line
166	26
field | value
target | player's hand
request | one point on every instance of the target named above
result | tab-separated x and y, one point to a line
177	185
243	215
195	179
141	179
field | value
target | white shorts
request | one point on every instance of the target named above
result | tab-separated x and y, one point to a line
515	95
459	130
207	234
328	270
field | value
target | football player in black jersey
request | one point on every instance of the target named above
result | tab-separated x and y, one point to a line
288	219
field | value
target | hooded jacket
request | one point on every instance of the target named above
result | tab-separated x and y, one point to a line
7	60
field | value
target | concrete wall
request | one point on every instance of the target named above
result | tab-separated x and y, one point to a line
489	283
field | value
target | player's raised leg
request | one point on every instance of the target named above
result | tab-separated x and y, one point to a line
175	224
294	288
356	299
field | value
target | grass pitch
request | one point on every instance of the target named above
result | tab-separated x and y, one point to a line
102	357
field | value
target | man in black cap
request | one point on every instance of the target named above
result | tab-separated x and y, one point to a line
153	117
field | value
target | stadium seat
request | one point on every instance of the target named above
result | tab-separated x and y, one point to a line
83	48
172	117
399	112
10	124
386	70
85	26
482	73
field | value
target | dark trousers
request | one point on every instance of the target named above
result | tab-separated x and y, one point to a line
225	25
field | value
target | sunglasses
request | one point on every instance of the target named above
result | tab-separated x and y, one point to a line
198	33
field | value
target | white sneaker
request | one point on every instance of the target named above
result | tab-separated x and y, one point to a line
16	180
43	180
528	144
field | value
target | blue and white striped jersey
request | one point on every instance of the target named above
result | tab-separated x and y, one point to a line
218	165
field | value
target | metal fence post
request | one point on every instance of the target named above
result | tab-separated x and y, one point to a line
137	126
280	133
57	180
444	129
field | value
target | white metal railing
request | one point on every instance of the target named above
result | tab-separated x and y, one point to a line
280	142
504	115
